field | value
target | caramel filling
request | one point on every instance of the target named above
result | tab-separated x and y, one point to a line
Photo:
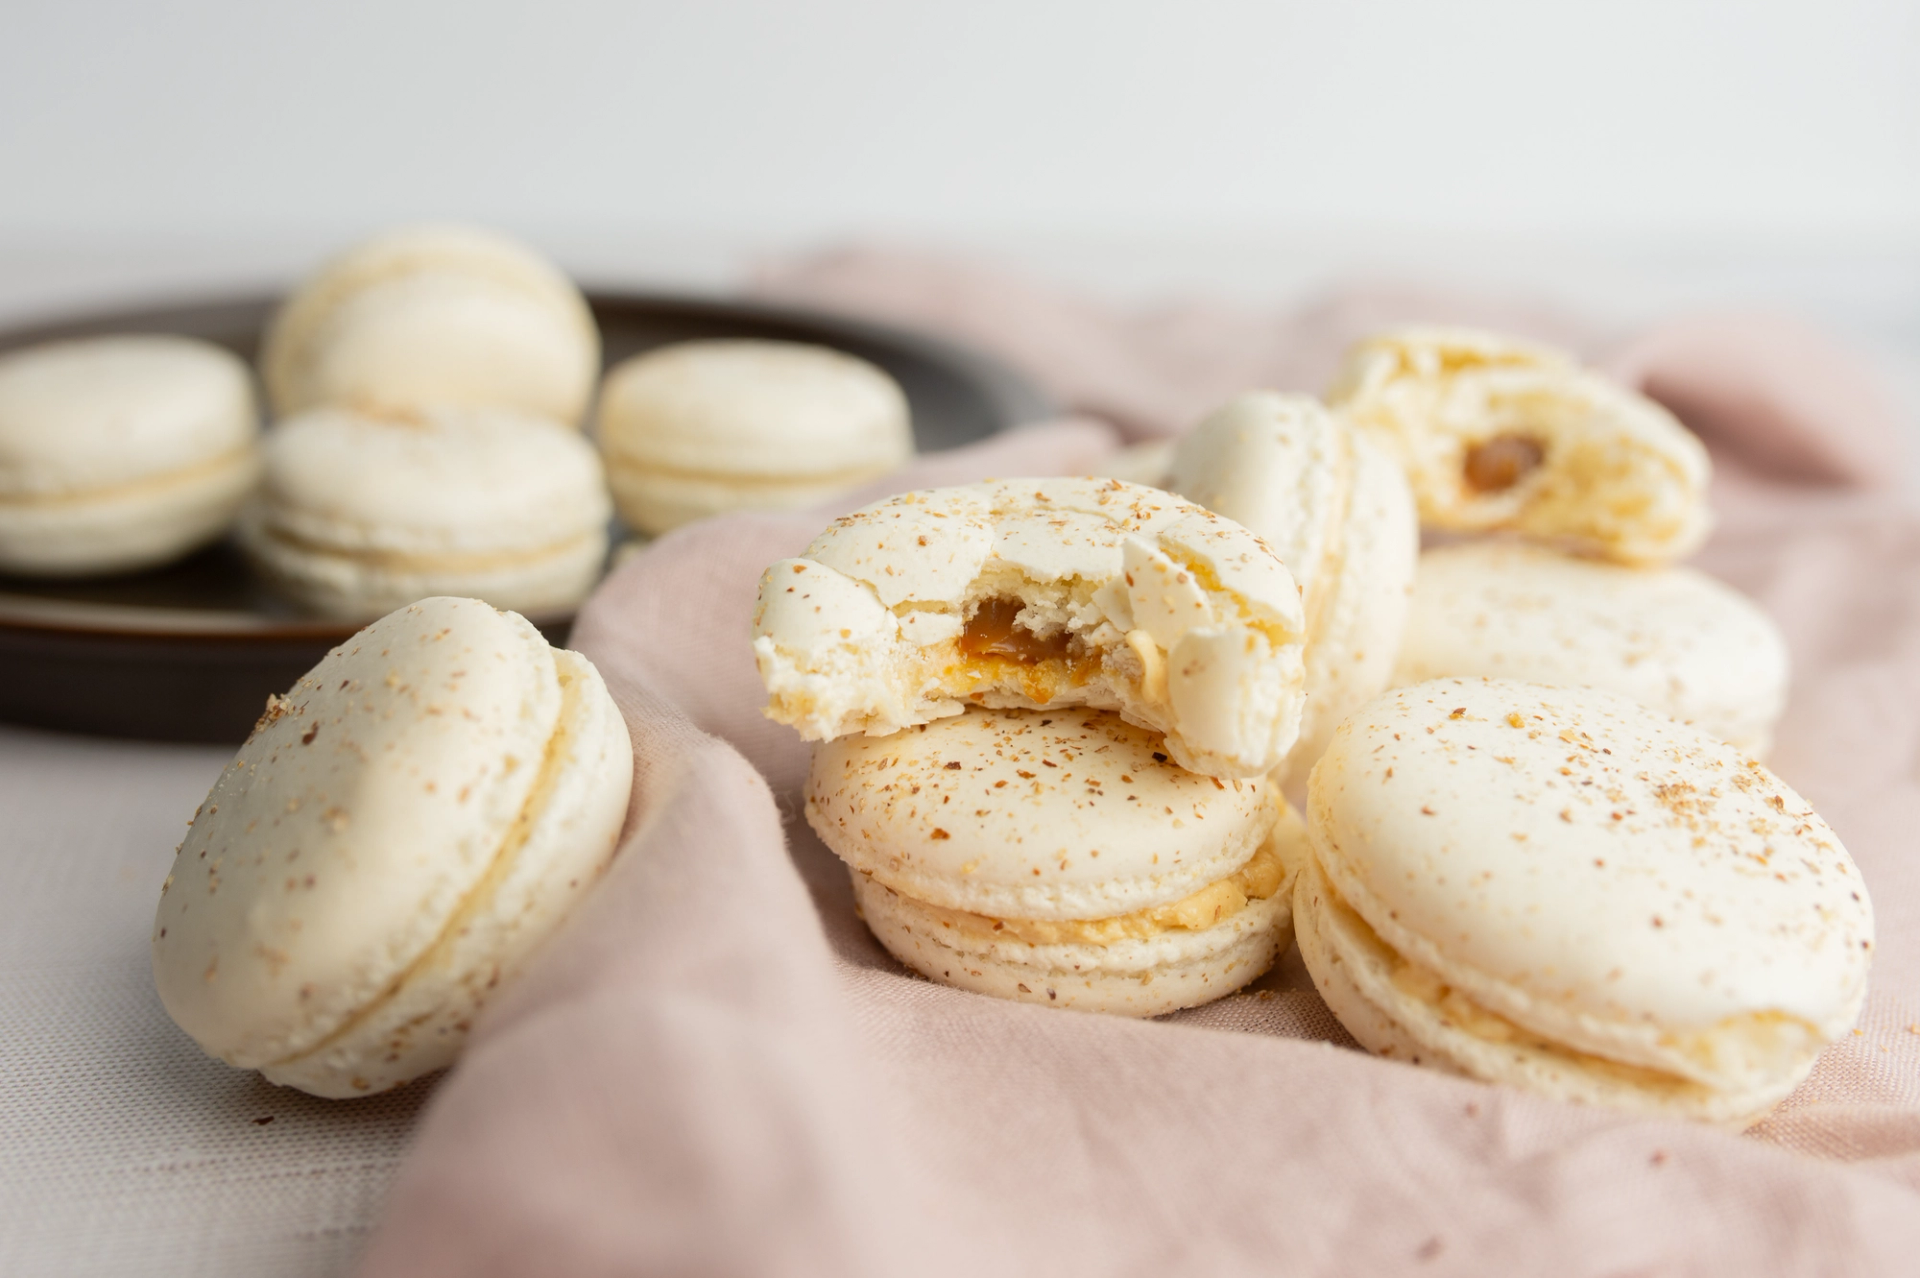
996	650
994	632
1497	464
1259	879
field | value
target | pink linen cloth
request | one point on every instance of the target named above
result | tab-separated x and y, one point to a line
713	1069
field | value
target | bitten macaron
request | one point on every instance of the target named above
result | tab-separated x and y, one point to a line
1039	593
435	315
398	836
1672	639
701	428
1058	857
1338	512
1500	435
1561	890
360	513
120	453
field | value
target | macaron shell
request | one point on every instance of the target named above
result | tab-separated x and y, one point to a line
746	408
1354	973
1059	814
443	480
1612	881
352	827
136	525
1130	978
84	417
523	328
561	844
442	338
1672	639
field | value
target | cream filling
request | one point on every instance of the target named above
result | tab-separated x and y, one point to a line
430	562
1260	879
145	485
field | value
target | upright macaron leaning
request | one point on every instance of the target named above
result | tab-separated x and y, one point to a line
395	840
1049	710
1336	509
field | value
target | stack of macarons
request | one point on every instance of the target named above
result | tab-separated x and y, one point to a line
431	384
1049	710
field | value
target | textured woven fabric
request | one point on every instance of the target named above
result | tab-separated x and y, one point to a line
123	1149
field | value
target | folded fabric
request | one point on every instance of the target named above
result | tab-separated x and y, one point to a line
713	1069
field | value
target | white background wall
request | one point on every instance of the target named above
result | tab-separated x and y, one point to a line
784	117
1706	149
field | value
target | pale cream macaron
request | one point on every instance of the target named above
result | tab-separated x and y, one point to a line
360	513
120	453
395	840
1562	890
435	315
1038	593
701	428
1058	857
1498	434
1338	512
1672	639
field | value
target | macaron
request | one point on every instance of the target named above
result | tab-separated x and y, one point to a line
700	428
1338	512
1561	890
1501	435
1039	594
1058	857
392	844
434	315
120	453
361	513
1673	639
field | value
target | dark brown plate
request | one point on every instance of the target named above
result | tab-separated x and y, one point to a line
189	652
